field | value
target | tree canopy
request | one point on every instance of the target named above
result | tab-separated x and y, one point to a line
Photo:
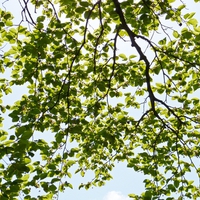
105	81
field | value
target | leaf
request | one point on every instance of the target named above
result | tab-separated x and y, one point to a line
101	86
87	14
193	22
25	177
68	185
93	83
175	34
10	52
197	29
132	56
80	9
82	173
26	134
27	160
40	25
163	41
41	18
132	195
176	183
4	137
52	188
189	15
70	162
84	3
181	7
123	56
9	23
80	186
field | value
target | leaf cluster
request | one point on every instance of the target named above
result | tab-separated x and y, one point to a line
88	104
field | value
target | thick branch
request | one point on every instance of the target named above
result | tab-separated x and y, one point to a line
139	50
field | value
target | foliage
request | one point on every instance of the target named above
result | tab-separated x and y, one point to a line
102	102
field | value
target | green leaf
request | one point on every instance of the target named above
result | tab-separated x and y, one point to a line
175	34
132	196
163	41
4	137
193	22
9	23
25	177
84	3
197	29
52	188
68	185
27	160
93	83
41	18
70	162
26	134
80	9
123	56
82	173
181	7
176	183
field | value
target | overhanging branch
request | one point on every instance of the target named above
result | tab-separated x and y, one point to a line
139	50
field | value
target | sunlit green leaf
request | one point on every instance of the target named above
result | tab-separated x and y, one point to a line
86	85
175	34
193	22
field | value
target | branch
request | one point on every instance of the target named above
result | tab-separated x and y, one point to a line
132	36
139	50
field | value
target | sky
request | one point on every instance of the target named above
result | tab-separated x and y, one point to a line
125	180
114	195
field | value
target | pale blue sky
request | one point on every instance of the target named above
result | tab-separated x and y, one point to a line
125	180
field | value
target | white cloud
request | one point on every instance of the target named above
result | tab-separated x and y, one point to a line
114	195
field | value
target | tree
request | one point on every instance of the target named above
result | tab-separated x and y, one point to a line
68	55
